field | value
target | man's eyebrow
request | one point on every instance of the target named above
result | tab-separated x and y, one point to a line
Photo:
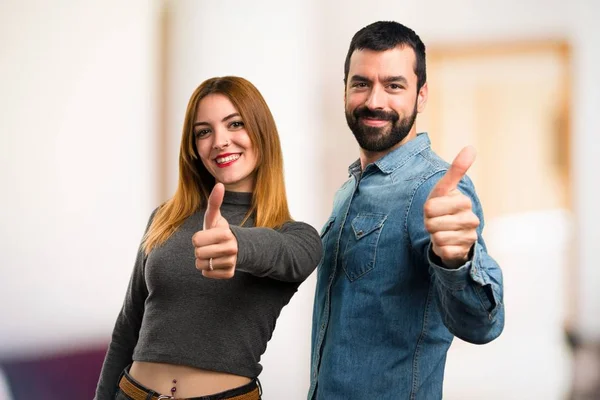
235	114
387	79
398	78
359	78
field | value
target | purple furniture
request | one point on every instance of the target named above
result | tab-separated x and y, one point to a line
63	376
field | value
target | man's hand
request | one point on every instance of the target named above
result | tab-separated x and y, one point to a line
449	216
215	246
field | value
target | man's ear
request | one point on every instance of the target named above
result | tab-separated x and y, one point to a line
422	97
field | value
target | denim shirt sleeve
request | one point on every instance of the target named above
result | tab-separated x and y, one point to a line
470	297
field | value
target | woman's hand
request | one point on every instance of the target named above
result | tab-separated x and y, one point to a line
215	246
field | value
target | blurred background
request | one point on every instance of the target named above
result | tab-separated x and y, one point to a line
92	100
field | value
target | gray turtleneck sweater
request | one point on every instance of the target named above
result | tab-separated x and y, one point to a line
172	314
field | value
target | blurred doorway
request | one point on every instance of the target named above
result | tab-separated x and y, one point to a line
511	101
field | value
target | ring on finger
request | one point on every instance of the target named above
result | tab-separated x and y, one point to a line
210	266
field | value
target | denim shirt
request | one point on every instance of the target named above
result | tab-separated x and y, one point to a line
385	312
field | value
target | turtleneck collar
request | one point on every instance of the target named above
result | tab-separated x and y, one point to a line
239	198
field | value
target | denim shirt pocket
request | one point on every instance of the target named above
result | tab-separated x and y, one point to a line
360	250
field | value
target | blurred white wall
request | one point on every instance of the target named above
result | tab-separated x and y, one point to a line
77	146
585	34
79	132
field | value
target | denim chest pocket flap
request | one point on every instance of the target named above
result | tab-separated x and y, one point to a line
360	251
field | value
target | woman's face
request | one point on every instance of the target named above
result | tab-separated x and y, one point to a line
223	143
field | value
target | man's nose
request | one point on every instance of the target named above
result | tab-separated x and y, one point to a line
376	99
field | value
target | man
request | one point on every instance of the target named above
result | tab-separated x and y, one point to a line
405	268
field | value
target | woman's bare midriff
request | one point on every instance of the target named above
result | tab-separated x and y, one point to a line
191	382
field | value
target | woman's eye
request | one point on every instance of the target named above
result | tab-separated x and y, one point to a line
236	124
201	133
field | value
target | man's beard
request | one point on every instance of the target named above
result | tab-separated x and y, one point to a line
374	138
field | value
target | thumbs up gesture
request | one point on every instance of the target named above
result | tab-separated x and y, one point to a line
448	214
215	246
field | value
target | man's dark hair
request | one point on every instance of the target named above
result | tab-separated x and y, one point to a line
387	35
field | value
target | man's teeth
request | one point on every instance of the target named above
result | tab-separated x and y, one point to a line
222	160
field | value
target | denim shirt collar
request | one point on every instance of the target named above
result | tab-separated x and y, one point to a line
397	157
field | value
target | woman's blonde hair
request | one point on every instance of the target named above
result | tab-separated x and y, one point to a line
269	201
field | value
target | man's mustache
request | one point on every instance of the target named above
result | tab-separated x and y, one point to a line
364	112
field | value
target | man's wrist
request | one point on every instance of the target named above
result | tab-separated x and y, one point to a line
450	264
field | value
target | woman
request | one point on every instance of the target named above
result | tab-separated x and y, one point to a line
217	263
